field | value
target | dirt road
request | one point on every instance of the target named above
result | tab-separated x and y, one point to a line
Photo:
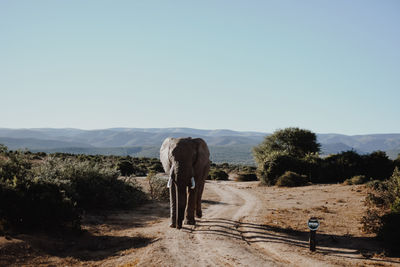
218	239
239	229
243	225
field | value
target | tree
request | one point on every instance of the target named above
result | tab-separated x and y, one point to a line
290	149
295	142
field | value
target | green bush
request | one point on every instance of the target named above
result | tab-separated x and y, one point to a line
3	149
292	179
339	167
14	166
158	187
358	179
126	167
246	176
91	185
156	167
218	175
26	202
56	192
389	231
377	165
277	164
396	162
33	205
383	214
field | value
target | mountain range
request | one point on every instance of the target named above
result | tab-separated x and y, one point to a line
225	145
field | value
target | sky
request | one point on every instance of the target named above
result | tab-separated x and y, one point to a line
327	66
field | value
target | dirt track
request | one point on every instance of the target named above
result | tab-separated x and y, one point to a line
243	225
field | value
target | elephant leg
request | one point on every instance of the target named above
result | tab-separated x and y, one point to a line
200	188
172	197
181	198
191	206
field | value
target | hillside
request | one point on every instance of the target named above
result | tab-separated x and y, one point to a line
225	145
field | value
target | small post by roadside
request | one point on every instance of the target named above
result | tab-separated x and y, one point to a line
313	225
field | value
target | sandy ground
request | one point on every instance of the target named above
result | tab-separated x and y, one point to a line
243	225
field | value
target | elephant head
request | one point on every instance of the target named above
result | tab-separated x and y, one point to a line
185	160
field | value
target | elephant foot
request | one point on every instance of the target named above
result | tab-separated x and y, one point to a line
172	225
199	214
179	226
190	222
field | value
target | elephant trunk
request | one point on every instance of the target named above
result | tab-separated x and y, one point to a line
181	184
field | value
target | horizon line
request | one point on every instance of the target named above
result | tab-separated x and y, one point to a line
189	128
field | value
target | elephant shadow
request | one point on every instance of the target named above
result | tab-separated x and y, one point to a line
361	248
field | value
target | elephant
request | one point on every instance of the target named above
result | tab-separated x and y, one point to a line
186	161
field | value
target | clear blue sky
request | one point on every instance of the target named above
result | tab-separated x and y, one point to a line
328	66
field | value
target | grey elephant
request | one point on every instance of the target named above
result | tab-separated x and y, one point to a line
187	162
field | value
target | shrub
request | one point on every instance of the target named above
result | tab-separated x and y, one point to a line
56	192
277	164
342	166
32	203
37	205
396	162
218	175
126	167
14	167
246	176
292	179
158	187
91	185
3	149
377	165
383	215
358	179
390	231
156	167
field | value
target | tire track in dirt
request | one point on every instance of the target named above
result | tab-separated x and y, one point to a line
268	243
219	233
249	244
225	218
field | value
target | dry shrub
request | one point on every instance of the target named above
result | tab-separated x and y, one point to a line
245	177
383	214
158	187
218	175
292	179
355	180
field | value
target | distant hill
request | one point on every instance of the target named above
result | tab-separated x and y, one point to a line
122	137
225	145
362	143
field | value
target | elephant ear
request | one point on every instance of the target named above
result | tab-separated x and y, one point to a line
164	155
202	155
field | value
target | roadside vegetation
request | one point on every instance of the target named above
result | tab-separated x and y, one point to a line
225	171
383	214
290	157
297	150
158	189
40	191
